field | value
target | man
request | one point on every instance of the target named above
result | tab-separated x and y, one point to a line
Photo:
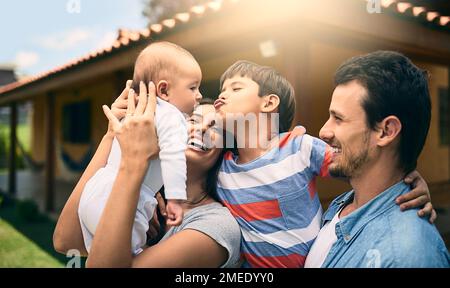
379	119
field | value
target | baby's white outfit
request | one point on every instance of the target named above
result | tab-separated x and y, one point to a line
169	169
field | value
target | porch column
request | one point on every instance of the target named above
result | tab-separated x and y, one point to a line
12	187
50	156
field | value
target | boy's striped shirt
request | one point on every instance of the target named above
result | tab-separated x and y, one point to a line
274	200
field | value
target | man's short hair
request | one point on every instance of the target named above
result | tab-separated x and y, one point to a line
269	82
395	86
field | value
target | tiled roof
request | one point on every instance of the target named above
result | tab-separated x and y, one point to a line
125	38
419	13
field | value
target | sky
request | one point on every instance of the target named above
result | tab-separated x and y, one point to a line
39	35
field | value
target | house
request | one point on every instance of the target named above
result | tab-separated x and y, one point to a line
305	40
7	74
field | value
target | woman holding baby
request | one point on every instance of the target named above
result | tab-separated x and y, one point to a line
209	235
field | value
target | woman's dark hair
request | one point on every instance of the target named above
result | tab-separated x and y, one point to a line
210	184
395	86
213	173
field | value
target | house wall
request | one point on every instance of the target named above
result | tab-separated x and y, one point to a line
308	63
312	78
310	67
213	68
324	59
100	91
317	70
433	162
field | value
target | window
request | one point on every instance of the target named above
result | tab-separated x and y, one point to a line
77	122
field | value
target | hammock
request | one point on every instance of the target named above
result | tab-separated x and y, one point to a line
77	166
28	160
68	161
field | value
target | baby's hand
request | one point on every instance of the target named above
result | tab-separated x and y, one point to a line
174	212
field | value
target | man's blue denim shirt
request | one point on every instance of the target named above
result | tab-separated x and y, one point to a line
378	234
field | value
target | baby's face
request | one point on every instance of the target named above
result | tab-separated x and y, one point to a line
184	90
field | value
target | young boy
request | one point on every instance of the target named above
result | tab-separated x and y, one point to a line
177	77
271	191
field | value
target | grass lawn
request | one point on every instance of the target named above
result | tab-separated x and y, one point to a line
26	243
16	250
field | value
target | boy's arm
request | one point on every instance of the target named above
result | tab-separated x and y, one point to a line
320	157
419	196
323	172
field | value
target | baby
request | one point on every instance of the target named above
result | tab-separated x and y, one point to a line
177	77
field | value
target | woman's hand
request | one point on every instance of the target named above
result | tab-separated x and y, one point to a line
68	234
120	105
111	244
138	125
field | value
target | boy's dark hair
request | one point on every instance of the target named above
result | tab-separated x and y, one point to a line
270	82
395	86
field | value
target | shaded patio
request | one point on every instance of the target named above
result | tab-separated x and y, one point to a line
31	185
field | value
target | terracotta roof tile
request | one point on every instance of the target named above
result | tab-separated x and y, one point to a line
157	28
199	9
444	20
419	13
169	23
183	17
401	7
124	38
431	16
418	10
